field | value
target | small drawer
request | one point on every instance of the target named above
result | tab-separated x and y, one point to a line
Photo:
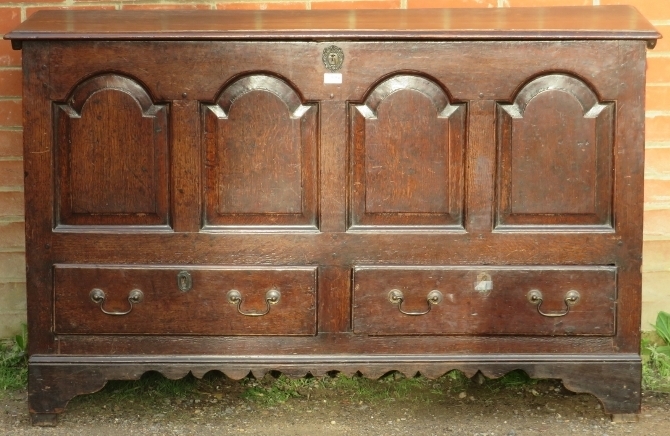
488	301
197	300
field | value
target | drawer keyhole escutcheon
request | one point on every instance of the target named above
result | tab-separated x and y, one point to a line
271	297
98	296
332	58
184	281
571	298
433	298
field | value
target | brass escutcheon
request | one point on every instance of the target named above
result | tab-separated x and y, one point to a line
333	58
184	281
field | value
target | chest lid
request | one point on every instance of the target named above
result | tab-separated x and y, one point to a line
550	23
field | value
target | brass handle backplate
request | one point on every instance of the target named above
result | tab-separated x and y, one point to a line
98	296
396	297
271	297
571	298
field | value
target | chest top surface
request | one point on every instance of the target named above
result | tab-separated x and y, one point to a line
557	23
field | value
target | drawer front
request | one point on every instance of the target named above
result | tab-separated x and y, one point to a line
503	300
188	300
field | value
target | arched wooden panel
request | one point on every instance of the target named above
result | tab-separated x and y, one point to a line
407	149
555	150
112	155
260	156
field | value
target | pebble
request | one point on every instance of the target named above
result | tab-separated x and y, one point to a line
462	395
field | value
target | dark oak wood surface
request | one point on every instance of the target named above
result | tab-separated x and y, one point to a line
482	153
204	307
468	307
604	22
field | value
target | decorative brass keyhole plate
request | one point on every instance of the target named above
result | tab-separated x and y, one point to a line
333	57
184	281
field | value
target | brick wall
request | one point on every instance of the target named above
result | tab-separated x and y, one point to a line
656	268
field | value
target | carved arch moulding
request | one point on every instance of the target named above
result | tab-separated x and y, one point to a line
557	127
260	157
111	153
407	148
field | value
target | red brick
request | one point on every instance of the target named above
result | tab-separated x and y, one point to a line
12	236
10	323
30	11
651	9
10	113
384	4
13	296
530	3
662	44
656	224
11	204
9	18
10	83
163	6
655	255
11	143
12	266
658	70
416	4
657	161
17	2
8	56
11	173
263	6
656	192
658	128
657	98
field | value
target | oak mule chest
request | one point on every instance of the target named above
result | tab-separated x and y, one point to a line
354	191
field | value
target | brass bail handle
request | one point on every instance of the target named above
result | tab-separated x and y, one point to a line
571	298
396	296
98	296
271	297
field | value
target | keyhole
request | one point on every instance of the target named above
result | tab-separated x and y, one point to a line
184	281
332	59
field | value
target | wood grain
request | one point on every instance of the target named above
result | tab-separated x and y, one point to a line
460	142
204	309
109	175
407	147
185	166
604	22
260	156
558	129
504	309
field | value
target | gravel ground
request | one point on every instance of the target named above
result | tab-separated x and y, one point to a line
219	406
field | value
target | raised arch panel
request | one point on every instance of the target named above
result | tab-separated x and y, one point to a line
260	157
407	144
112	155
555	157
